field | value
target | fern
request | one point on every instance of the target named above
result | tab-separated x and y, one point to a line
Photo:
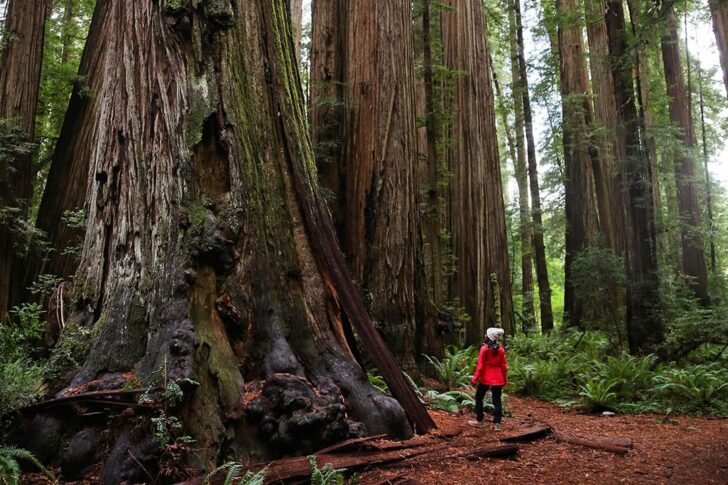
10	468
326	475
233	468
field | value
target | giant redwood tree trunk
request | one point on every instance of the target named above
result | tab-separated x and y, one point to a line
539	248
21	54
719	12
376	196
581	207
686	178
476	212
209	254
520	170
644	322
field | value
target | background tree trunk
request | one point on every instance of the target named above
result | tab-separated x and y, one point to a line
520	171
209	254
693	259
379	162
542	274
581	207
644	322
719	12
476	213
21	56
296	9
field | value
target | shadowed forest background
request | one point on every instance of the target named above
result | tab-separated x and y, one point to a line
245	230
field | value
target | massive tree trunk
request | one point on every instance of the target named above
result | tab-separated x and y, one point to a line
519	168
542	274
693	259
476	212
65	188
644	323
296	8
209	257
376	197
581	208
21	55
611	148
719	12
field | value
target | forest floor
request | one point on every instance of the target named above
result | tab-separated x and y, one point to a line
676	450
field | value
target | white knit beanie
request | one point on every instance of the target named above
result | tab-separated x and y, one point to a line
494	333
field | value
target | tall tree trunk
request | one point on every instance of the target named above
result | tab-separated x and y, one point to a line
644	323
209	254
21	56
693	259
296	9
379	161
581	207
611	148
431	287
719	12
542	274
521	172
708	185
476	212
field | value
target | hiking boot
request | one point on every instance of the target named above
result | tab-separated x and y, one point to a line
496	426
475	424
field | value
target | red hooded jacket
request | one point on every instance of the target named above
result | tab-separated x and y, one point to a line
492	369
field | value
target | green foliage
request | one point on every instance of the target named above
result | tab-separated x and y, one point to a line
456	367
378	382
451	401
20	383
695	388
233	468
19	337
597	395
10	466
326	475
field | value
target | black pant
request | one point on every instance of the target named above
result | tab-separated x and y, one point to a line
497	392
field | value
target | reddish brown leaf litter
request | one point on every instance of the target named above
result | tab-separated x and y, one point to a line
551	445
678	450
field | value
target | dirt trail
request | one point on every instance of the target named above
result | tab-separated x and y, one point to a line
680	450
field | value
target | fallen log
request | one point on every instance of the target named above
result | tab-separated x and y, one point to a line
599	444
343	445
502	451
110	397
529	434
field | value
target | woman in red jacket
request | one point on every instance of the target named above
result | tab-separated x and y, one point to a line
491	372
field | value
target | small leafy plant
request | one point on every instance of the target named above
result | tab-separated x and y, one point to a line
10	466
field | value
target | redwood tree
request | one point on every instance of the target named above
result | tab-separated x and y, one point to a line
209	257
476	210
719	12
581	209
686	178
644	323
21	55
375	194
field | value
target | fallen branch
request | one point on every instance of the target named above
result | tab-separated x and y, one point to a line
615	446
529	434
349	444
91	397
502	451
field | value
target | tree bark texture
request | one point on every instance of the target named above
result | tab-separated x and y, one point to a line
209	255
379	162
296	9
706	170
644	323
611	148
719	12
21	56
539	248
581	207
686	177
520	170
65	188
476	212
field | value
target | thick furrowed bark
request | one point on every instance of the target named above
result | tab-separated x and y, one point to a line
686	178
719	12
581	208
21	55
476	213
209	255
